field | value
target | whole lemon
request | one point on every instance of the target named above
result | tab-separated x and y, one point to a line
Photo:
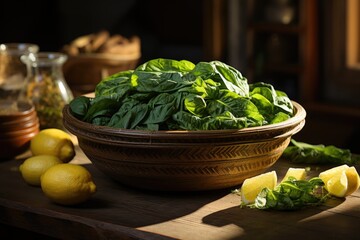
53	141
32	168
67	184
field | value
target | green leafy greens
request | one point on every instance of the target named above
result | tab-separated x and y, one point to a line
165	94
300	152
291	194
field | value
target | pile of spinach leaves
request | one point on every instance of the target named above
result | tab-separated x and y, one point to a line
165	94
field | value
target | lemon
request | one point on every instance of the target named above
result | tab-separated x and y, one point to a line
55	142
328	174
32	168
297	173
68	184
341	181
353	180
251	187
337	185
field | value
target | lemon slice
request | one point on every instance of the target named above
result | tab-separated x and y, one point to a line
251	187
328	174
297	173
353	180
338	185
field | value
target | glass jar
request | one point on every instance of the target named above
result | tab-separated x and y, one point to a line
46	87
13	71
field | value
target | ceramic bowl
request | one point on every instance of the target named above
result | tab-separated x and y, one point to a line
184	160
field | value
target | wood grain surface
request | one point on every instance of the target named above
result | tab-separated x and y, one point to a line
121	212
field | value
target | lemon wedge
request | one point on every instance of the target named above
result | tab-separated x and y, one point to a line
297	173
341	181
353	180
337	185
328	174
251	187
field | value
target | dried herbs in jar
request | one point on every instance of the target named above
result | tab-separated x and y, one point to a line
46	87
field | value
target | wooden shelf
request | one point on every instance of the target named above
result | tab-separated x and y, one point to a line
275	28
285	69
350	113
284	49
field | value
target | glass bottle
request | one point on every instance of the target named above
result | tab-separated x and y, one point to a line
46	87
13	71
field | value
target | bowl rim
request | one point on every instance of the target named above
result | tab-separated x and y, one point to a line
105	56
282	129
25	109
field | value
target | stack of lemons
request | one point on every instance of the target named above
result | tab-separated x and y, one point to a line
62	182
340	181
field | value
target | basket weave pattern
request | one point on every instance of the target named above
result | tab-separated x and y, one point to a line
184	160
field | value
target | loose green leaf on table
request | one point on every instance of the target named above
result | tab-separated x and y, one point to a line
300	152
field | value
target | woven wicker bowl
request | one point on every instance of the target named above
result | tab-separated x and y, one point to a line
184	160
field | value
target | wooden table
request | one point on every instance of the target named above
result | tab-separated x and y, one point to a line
120	212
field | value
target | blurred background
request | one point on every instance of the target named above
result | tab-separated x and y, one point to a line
308	48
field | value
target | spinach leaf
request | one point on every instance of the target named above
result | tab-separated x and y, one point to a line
242	107
161	108
279	117
227	76
79	106
195	104
140	97
301	152
166	65
292	194
279	100
187	121
266	108
199	87
131	118
118	84
159	82
232	78
101	120
225	120
102	107
125	108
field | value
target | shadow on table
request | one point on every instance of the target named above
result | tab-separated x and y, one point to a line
133	207
309	223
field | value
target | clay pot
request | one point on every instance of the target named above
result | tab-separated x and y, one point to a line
17	128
